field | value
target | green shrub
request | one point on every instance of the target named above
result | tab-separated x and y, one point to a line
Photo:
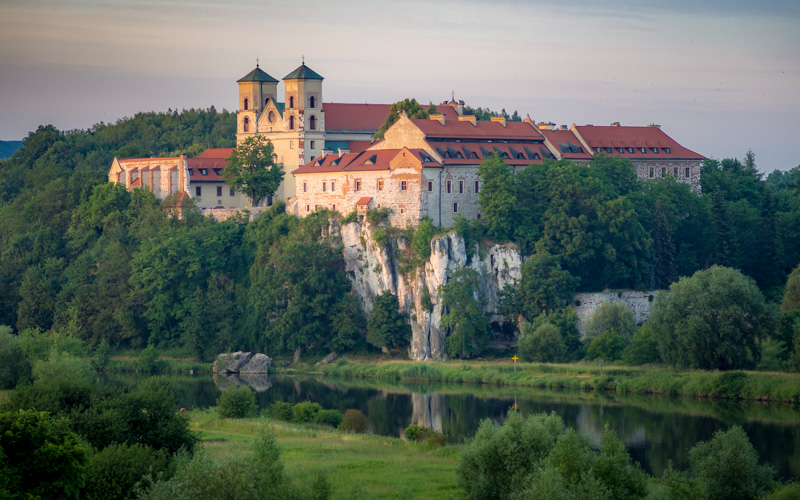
102	355
237	402
377	215
609	345
305	411
64	365
437	439
380	237
543	345
729	385
415	432
353	421
148	361
350	217
114	471
728	468
281	410
643	348
14	366
328	417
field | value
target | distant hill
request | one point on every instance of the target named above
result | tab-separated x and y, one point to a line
7	148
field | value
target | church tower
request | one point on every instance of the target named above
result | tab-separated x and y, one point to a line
303	113
255	89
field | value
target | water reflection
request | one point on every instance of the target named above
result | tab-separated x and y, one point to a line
655	429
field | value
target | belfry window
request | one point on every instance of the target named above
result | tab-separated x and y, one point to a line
246	124
312	123
291	101
245	103
291	123
312	102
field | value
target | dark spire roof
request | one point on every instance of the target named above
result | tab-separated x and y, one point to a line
303	72
257	75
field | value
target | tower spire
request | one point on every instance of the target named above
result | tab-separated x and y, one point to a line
256	62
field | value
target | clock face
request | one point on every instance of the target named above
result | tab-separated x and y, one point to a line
271	117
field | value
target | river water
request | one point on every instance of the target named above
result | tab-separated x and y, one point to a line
654	429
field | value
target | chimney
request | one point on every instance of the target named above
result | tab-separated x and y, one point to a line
547	126
615	124
468	118
326	152
654	125
439	118
343	151
499	119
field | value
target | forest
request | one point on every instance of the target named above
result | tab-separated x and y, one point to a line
87	259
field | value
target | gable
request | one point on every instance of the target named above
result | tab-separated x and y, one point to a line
271	119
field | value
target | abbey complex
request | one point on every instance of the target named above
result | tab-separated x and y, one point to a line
421	168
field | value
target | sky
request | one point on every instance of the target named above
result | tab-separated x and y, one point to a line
719	76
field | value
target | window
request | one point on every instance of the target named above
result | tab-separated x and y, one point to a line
430	186
312	101
219	203
203	171
312	145
198	191
291	123
358	185
245	104
305	187
324	185
667	150
663	171
233	193
291	102
455	208
687	172
675	171
291	144
380	185
334	207
312	123
333	185
246	124
219	190
652	172
449	185
630	150
655	150
308	208
477	186
312	158
269	201
403	185
461	187
642	150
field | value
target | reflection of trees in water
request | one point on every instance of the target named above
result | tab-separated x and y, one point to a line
389	413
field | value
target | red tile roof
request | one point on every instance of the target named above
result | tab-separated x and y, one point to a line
359	146
473	153
565	141
216	153
212	166
365	161
363	117
364	201
482	130
618	140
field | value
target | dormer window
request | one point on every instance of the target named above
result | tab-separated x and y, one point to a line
643	150
371	161
246	102
312	101
630	150
620	150
655	150
203	171
666	150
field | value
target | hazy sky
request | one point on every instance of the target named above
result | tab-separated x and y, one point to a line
720	76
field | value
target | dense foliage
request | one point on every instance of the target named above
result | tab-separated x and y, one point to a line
252	169
387	326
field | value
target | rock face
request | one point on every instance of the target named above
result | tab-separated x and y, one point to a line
374	269
242	362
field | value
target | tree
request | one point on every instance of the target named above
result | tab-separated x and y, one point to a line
713	320
497	198
768	261
252	169
727	466
39	457
791	297
464	319
14	366
609	330
544	286
663	249
386	325
543	345
409	106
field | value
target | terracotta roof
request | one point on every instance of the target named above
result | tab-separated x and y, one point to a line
160	160
473	153
361	117
257	75
212	166
216	153
481	130
303	72
359	146
365	161
364	201
628	142
567	145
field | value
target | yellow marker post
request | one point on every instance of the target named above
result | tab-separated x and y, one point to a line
515	358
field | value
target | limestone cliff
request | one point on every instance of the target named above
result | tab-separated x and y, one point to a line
373	269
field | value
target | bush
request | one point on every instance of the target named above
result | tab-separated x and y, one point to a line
237	402
281	410
114	471
415	432
148	361
377	215
14	366
386	325
729	385
608	345
63	365
437	439
727	466
543	345
643	348
305	411
353	421
328	417
102	355
350	217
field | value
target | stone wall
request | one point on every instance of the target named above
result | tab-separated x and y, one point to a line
223	214
639	302
655	169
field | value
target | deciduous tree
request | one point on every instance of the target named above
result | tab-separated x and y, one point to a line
252	169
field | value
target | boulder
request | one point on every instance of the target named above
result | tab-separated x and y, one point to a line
327	359
231	363
296	356
259	363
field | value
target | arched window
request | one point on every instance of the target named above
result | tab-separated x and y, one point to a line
311	101
246	124
312	123
291	123
291	102
245	103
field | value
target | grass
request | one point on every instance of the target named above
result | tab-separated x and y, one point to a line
586	376
358	464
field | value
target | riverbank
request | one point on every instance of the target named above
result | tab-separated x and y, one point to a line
358	465
737	385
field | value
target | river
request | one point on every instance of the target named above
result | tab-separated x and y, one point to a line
655	429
